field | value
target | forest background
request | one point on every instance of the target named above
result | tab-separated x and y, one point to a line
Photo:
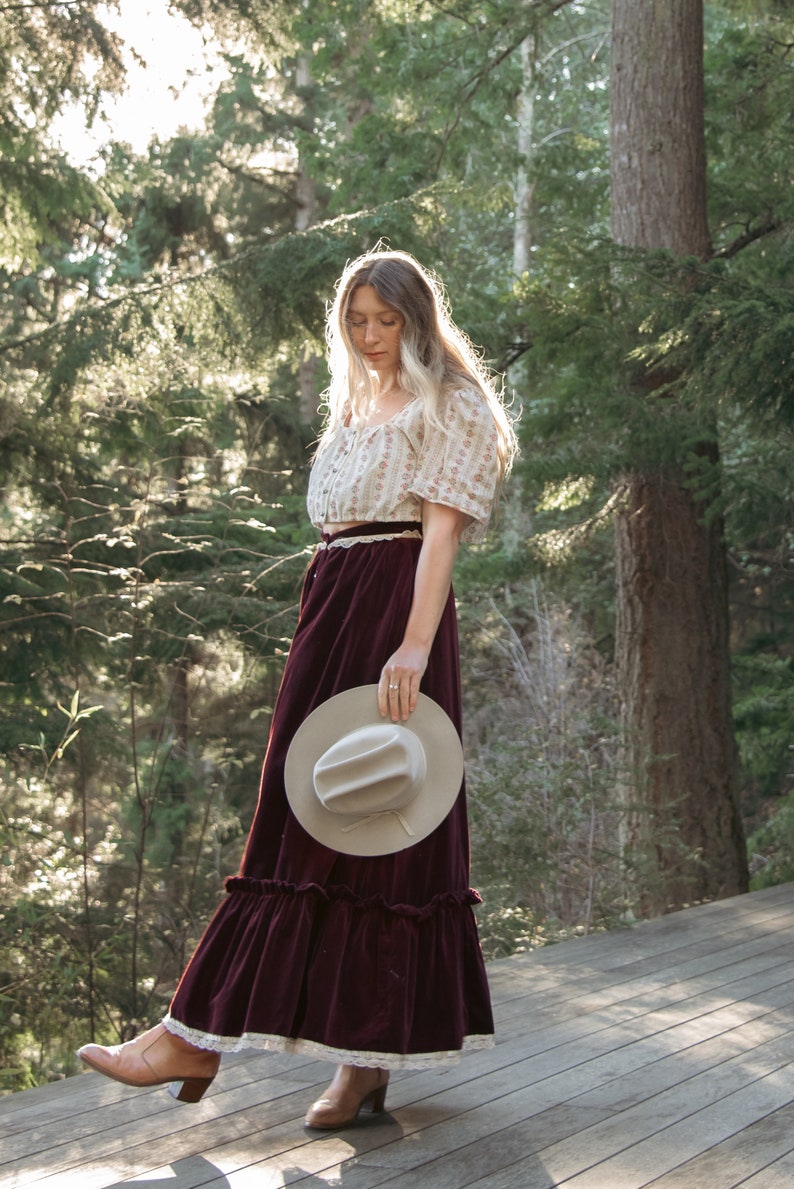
161	322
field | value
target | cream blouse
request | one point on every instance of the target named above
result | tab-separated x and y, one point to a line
384	472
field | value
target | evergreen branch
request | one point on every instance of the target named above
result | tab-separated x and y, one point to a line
258	179
472	86
223	269
513	353
547	6
566	45
749	236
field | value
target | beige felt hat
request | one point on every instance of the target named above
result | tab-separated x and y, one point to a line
363	785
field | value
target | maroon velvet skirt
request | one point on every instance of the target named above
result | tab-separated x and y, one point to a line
371	961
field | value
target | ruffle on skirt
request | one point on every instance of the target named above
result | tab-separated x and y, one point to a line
352	979
371	960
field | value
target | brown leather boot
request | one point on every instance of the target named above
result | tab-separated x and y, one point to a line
154	1058
349	1091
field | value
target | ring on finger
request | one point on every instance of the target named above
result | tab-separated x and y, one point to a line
394	686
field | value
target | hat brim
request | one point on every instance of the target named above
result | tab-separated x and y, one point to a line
384	834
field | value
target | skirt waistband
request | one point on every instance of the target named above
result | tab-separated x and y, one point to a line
366	533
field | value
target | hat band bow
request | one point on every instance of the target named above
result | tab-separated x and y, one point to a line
373	817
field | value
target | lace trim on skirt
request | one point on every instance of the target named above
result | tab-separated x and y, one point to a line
309	1048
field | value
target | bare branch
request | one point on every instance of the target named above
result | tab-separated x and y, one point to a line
41	4
749	236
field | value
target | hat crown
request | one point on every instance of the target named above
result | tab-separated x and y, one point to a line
378	768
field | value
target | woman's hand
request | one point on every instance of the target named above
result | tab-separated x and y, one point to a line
398	688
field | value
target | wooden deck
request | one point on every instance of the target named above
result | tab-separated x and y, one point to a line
662	1055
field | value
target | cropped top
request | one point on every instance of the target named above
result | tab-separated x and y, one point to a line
384	472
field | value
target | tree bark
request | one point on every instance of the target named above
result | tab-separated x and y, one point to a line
683	824
525	118
306	205
684	830
657	141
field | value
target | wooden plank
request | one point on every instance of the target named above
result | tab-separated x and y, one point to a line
462	1128
709	952
255	1126
731	1162
659	971
779	1175
551	1040
615	1050
539	1065
760	911
454	1105
635	1146
731	1113
569	1003
524	1124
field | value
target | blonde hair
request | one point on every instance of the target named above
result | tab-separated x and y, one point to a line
436	357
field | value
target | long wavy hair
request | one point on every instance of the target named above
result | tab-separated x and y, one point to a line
436	357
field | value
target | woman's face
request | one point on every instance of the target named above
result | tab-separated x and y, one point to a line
375	329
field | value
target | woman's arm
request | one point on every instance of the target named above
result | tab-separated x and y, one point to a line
441	529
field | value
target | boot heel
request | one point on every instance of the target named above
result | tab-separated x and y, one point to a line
189	1089
340	1105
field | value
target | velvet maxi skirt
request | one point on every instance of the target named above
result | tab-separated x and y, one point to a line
369	961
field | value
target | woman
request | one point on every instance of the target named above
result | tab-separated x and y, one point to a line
372	962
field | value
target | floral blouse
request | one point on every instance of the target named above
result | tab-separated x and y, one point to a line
384	472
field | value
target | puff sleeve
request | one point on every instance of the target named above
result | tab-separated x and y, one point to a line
458	466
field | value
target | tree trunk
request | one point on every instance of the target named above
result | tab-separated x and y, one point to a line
684	833
657	142
306	212
525	117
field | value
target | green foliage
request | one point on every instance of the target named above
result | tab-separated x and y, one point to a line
149	559
771	847
44	64
37	199
546	849
749	126
764	711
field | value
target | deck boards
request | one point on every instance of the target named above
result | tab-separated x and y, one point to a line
655	1057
